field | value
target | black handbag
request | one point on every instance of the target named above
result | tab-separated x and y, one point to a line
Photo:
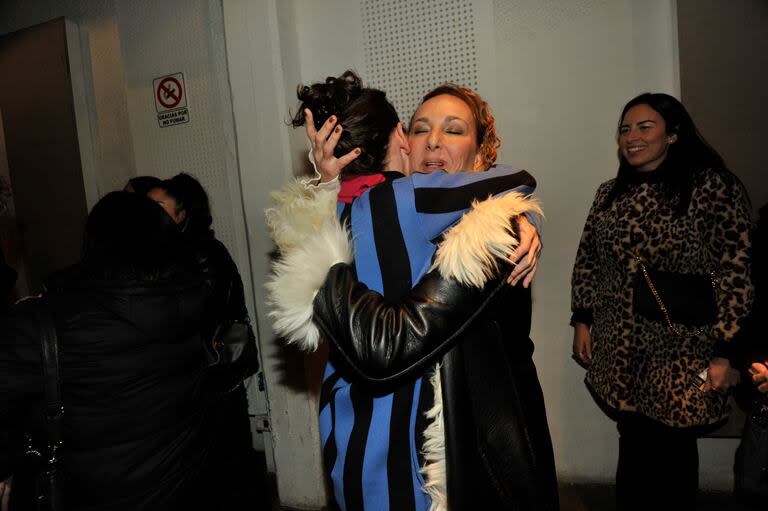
37	481
233	344
231	352
232	347
231	355
675	298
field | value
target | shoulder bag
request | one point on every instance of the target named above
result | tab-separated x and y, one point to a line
37	484
684	301
231	352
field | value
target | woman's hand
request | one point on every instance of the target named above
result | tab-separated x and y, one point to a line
5	493
323	143
582	344
526	256
759	372
721	376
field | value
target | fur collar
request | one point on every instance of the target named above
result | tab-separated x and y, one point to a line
299	211
297	276
434	449
471	250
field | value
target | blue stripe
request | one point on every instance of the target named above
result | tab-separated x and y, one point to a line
375	482
420	249
366	256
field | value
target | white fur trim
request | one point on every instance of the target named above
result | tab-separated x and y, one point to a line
298	212
297	276
471	249
434	450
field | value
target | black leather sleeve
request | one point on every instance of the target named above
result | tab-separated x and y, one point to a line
383	342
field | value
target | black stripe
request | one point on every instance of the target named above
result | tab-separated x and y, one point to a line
447	200
327	388
345	213
390	245
329	449
426	401
362	406
399	471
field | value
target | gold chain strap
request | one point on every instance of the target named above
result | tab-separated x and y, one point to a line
678	332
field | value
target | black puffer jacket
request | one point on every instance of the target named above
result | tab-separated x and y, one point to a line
497	443
134	432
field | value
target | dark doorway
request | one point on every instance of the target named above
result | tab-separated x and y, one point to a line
43	155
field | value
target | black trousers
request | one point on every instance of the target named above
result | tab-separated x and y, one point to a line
658	465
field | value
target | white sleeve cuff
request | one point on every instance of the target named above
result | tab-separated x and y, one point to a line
314	181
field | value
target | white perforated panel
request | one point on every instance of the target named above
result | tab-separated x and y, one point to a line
525	18
192	45
411	47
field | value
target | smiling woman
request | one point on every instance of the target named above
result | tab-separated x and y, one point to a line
673	208
643	138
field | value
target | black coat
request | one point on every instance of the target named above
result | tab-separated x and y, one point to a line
498	449
236	473
134	432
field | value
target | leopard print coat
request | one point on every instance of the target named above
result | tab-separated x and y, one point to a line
637	364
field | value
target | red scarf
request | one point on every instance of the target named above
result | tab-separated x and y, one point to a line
356	186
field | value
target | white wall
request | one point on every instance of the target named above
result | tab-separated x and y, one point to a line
567	69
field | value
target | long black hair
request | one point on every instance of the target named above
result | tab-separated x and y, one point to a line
143	184
366	115
190	197
130	237
688	156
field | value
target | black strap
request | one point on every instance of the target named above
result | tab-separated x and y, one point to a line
54	409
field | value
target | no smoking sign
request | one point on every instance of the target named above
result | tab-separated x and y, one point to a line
170	100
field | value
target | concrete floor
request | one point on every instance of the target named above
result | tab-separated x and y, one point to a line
600	497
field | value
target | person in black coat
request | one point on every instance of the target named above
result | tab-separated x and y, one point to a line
241	478
129	323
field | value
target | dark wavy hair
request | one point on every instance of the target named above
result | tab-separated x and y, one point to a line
366	115
689	156
190	197
485	124
130	237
